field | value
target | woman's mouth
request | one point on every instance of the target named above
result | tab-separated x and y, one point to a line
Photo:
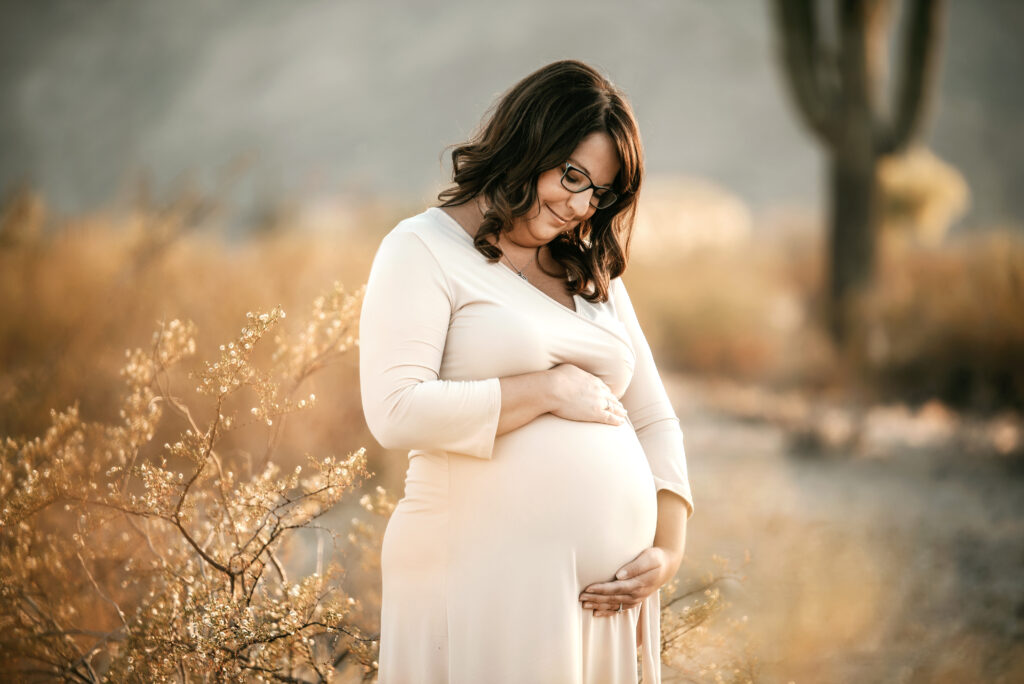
559	218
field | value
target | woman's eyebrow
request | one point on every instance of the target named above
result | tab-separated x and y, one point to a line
585	170
579	166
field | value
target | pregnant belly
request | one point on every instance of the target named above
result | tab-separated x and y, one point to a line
555	486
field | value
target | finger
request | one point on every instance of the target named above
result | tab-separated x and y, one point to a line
616	409
645	562
609	602
609	402
613	401
624	591
644	574
606	589
601	588
614	610
640	579
606	601
609	414
605	606
616	590
626	594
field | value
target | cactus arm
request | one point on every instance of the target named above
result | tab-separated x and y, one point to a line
803	61
917	74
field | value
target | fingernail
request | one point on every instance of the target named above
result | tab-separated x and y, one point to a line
621	574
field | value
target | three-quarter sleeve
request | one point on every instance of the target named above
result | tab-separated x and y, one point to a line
649	408
403	325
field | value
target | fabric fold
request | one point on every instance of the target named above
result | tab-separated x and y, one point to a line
650	639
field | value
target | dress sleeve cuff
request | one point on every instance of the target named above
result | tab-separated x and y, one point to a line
683	490
490	400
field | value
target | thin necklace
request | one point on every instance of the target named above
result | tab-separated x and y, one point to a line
519	271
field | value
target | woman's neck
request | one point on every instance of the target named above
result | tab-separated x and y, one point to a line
471	214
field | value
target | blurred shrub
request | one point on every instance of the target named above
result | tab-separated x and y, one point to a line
705	636
682	214
125	561
948	322
942	322
747	312
71	287
921	198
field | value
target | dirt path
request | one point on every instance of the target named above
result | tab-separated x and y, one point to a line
904	567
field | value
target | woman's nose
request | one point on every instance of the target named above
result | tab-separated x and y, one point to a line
579	202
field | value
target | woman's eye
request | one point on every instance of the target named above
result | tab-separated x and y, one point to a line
574	177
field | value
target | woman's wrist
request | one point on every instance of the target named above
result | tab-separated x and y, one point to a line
551	394
525	397
674	559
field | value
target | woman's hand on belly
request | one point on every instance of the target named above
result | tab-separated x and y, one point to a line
582	396
635	581
651	569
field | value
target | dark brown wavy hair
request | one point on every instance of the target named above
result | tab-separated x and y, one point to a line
533	127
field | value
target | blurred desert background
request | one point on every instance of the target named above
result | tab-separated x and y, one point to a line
859	502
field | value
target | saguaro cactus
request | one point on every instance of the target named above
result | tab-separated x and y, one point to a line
839	91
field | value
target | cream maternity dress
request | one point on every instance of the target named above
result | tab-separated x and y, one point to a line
484	558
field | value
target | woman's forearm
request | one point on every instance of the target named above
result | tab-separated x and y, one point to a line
523	398
670	533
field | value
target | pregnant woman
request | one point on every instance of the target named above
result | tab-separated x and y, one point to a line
546	496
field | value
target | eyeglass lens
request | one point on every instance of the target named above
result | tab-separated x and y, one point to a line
575	180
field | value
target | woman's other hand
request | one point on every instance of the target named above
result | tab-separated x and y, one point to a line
634	582
579	395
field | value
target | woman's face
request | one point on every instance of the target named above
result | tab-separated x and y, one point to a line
558	210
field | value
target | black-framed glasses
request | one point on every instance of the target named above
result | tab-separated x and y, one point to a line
576	180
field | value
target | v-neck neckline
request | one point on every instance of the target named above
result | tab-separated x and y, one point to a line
585	311
576	299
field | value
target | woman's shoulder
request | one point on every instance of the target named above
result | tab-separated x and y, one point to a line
421	224
429	227
618	296
425	237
